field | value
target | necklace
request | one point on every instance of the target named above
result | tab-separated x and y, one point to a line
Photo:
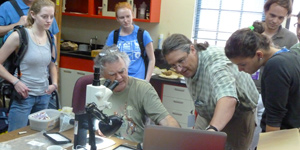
36	39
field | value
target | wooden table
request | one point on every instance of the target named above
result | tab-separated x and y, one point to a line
69	133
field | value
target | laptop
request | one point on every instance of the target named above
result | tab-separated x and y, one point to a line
169	138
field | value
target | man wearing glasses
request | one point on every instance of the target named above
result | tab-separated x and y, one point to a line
134	99
224	98
296	47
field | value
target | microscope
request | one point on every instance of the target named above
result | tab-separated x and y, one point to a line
96	100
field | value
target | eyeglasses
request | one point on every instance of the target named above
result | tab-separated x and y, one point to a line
180	62
297	25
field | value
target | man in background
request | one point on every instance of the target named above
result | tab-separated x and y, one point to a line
296	47
9	17
276	11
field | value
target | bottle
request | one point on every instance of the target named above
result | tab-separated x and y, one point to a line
147	13
160	41
134	11
142	10
64	6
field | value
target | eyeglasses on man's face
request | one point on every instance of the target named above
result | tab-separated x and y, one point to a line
180	62
297	25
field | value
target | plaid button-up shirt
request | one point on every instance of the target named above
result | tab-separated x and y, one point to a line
217	77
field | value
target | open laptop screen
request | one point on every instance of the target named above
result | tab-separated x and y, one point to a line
169	138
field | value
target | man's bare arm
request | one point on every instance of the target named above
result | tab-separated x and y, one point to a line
169	121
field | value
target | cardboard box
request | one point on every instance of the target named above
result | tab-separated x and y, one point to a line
279	140
40	125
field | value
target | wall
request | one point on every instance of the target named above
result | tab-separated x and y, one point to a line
176	17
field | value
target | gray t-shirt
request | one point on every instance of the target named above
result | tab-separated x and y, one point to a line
134	103
34	67
284	38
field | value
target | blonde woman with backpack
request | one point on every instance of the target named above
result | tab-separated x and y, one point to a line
32	89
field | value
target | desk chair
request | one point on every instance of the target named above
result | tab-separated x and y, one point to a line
54	101
78	104
79	93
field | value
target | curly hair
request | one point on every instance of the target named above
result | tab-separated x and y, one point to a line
245	42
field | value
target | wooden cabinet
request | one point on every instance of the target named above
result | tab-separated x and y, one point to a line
68	78
89	8
178	102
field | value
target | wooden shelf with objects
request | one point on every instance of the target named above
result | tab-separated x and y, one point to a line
92	9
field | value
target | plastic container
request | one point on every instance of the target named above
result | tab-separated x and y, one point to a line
99	12
160	41
64	6
40	125
142	11
83	47
147	13
94	53
134	11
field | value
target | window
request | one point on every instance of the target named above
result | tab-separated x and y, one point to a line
293	18
216	20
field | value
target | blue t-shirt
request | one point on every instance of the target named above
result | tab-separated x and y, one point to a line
8	15
130	45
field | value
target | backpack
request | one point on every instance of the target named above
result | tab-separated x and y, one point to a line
12	63
3	120
141	44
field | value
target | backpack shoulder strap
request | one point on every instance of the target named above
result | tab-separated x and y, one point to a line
116	36
140	37
52	44
23	46
141	41
17	7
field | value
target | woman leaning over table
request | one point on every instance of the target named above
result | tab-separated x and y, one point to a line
128	43
33	86
280	83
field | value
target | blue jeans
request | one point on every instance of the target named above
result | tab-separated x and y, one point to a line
20	110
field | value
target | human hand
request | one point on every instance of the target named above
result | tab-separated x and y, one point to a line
98	132
51	88
211	130
23	21
22	89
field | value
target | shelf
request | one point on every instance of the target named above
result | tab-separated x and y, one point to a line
88	9
98	16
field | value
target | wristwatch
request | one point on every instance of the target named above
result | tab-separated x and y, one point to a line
211	127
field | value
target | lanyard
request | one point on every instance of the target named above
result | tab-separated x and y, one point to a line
282	50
